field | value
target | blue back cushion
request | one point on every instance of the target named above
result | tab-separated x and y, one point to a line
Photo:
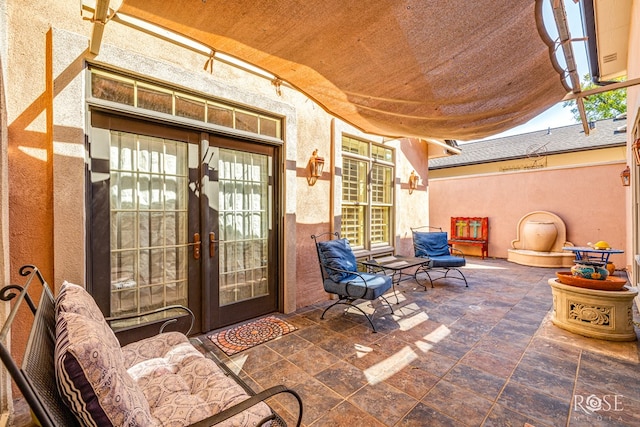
337	254
430	244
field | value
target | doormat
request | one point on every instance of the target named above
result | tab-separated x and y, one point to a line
242	337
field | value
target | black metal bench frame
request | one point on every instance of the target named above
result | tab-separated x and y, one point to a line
35	377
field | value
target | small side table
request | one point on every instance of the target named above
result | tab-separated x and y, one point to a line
396	265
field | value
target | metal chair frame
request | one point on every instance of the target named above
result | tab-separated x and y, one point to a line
351	297
428	267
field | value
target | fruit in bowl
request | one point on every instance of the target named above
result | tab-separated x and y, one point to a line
601	245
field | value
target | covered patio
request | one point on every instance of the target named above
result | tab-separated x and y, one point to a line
486	355
449	355
483	355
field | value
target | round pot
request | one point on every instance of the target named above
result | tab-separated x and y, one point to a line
611	268
539	235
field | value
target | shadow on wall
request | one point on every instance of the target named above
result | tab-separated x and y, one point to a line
309	288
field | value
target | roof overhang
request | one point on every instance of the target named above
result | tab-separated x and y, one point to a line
607	25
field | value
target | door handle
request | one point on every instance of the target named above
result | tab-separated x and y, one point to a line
212	244
196	245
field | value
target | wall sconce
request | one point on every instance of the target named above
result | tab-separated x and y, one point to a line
315	166
625	176
636	151
413	181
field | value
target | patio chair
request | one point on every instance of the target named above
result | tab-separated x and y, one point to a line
340	276
442	257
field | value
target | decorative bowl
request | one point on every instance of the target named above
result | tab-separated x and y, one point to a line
590	270
611	283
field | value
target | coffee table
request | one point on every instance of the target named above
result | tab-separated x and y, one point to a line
396	266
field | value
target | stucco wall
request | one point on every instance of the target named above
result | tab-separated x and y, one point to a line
590	200
5	401
319	206
47	130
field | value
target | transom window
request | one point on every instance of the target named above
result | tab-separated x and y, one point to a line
367	193
135	93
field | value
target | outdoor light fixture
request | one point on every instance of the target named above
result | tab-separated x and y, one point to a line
413	181
636	151
315	167
625	176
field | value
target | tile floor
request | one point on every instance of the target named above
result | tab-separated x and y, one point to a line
486	355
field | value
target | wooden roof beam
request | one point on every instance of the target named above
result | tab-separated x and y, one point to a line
601	89
100	17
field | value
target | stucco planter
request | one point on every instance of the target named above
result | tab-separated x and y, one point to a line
606	315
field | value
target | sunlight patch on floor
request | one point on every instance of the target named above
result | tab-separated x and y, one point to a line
395	294
364	306
411	322
237	362
390	366
483	267
438	335
424	347
406	311
362	350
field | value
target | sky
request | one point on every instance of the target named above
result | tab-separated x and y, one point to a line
556	116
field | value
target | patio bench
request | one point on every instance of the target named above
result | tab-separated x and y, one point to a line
75	371
470	231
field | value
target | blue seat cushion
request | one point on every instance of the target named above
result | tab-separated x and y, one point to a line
446	261
377	284
337	254
430	244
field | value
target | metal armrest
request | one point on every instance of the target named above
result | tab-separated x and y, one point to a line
349	272
456	252
362	285
429	227
248	403
150	323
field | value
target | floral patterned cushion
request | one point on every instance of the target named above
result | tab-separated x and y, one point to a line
160	381
182	386
92	377
158	346
75	299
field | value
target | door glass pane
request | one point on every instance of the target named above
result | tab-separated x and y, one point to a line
149	236
244	225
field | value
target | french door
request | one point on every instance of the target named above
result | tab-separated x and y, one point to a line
181	217
241	206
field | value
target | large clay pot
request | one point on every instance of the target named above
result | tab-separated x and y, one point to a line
539	236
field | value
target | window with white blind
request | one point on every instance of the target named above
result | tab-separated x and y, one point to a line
367	193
